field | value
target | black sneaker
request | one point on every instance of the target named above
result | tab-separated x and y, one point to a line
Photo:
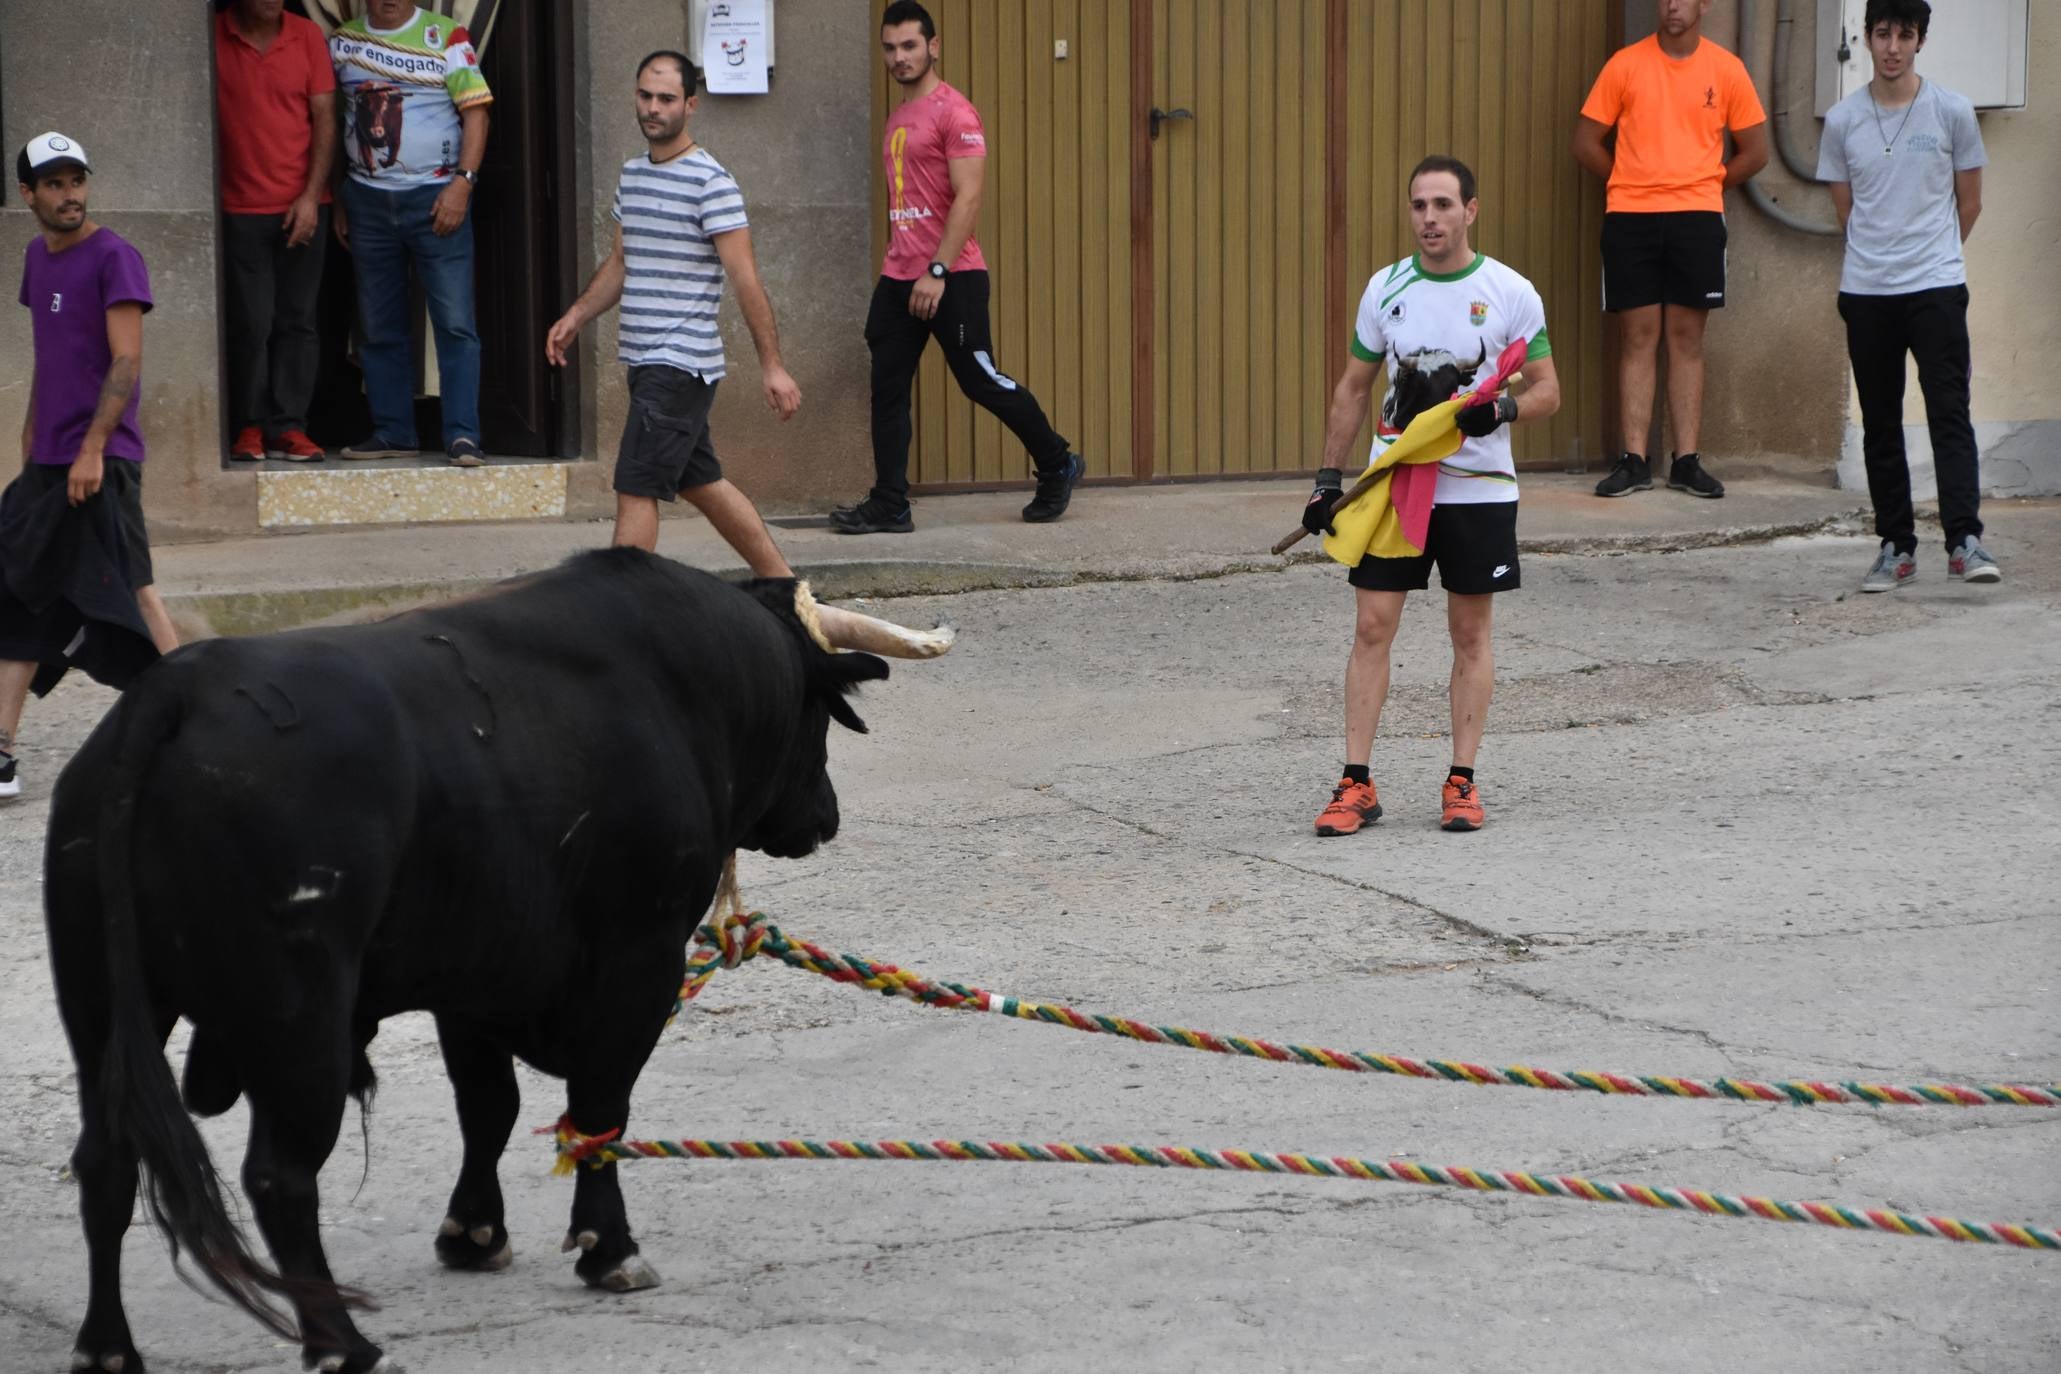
1631	474
872	516
465	453
10	784
1686	474
1055	490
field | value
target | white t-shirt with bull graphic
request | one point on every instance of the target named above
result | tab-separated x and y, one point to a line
1432	319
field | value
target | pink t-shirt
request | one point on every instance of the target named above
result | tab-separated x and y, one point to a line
922	136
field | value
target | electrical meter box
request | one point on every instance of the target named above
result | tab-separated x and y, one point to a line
1975	47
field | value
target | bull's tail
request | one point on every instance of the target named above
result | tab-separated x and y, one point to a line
141	1102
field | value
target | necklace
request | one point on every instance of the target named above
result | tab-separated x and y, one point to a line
662	161
1889	139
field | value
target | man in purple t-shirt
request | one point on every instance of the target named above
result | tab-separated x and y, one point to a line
86	290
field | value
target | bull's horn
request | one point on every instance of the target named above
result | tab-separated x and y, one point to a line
1481	357
850	630
834	628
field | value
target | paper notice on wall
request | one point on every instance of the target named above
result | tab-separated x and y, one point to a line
733	47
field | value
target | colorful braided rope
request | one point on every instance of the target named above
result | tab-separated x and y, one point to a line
594	1152
740	937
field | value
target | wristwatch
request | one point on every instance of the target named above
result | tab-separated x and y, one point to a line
937	269
471	177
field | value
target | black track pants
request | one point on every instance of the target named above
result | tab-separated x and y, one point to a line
960	326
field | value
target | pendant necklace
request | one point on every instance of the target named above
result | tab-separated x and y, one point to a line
1889	139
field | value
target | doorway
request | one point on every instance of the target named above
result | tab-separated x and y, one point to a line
523	240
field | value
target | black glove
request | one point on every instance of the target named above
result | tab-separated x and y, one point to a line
1316	514
1478	422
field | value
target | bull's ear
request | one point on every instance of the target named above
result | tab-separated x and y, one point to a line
846	672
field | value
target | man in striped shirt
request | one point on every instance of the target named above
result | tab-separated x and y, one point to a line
680	230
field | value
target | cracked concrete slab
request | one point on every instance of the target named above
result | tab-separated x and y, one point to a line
1792	830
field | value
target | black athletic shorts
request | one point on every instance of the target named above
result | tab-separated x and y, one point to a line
1672	258
1474	545
121	482
666	447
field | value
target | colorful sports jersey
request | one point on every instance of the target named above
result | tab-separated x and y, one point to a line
923	136
1408	313
402	90
673	278
1671	115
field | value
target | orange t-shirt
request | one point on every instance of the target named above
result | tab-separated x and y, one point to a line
1671	115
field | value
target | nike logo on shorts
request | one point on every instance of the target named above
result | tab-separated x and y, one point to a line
1502	570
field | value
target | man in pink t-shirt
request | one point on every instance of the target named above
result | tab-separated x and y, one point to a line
934	283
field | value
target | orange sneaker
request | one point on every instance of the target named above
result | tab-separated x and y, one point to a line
1462	805
249	446
1353	804
294	447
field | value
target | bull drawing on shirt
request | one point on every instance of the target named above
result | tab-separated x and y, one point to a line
1423	380
376	123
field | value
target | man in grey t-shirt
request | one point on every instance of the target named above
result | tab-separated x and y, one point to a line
1904	158
680	233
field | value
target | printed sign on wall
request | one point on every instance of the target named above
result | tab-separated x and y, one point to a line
733	47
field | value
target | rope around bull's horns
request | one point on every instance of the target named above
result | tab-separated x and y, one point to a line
575	1149
739	937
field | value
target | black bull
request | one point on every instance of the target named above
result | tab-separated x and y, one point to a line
509	812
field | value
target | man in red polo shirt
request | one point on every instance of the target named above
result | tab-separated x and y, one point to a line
275	108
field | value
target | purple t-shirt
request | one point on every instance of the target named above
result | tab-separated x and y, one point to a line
68	295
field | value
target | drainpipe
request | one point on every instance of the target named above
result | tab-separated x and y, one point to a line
1785	19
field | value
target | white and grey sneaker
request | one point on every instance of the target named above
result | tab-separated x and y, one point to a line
10	779
1891	570
1971	562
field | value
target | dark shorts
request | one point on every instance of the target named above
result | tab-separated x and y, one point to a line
666	447
1676	258
122	483
1474	545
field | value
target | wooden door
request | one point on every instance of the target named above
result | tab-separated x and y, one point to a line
1497	84
1239	235
1055	226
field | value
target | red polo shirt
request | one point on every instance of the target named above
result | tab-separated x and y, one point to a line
261	113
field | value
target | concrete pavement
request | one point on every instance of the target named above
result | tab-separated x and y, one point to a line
1741	821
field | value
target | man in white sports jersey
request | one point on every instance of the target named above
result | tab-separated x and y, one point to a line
680	231
1443	306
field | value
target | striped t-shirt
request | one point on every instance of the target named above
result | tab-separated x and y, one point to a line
673	282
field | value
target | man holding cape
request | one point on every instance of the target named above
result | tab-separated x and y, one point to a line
1434	318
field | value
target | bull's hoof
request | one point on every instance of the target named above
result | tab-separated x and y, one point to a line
483	1248
633	1273
108	1362
337	1362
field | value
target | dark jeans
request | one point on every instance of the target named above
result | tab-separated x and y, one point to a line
1932	326
389	233
960	326
273	346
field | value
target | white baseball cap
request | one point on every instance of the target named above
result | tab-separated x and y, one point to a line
48	149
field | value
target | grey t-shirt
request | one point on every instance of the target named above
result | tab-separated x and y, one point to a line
1905	231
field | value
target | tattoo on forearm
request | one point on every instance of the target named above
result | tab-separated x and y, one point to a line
115	393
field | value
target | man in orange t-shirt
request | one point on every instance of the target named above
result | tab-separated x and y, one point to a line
1671	99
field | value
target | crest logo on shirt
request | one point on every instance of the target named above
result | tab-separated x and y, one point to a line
56	301
1710	97
1397	313
433	37
1477	313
